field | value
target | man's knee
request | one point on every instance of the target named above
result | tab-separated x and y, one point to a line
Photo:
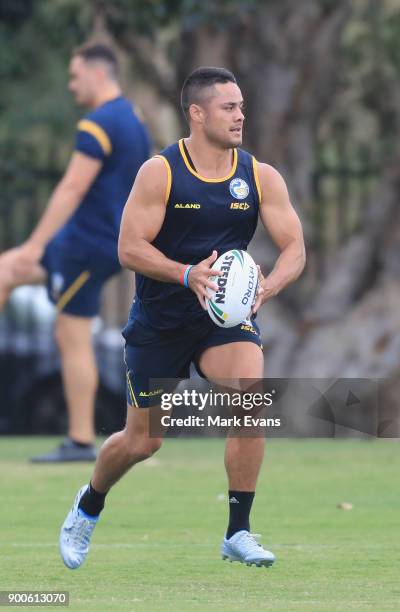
61	334
72	332
140	448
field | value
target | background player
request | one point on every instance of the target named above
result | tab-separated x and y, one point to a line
74	245
168	326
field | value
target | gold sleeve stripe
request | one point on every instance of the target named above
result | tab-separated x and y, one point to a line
97	132
169	176
257	180
72	290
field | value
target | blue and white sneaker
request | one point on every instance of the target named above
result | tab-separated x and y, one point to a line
75	534
243	547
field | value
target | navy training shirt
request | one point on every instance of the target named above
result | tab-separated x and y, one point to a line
113	134
201	215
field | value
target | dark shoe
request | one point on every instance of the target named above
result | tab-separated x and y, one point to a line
67	451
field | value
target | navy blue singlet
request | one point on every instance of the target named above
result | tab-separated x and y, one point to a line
201	215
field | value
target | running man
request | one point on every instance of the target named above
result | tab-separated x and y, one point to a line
74	246
168	326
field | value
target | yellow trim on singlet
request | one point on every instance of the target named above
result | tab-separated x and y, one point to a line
203	178
97	132
72	290
256	178
169	176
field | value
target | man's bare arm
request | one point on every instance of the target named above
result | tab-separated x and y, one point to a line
65	199
283	225
142	220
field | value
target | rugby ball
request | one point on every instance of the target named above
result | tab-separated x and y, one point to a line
237	288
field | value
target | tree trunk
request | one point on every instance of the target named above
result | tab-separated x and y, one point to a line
287	59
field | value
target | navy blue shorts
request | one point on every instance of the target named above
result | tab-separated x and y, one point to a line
74	282
154	354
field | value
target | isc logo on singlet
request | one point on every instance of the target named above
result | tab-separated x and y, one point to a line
240	206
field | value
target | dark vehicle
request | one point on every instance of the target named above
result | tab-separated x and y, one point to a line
31	394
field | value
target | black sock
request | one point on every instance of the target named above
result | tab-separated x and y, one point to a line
240	503
92	502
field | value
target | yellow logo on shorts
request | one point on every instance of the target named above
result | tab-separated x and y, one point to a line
151	393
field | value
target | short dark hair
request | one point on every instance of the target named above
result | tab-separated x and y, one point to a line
99	52
198	80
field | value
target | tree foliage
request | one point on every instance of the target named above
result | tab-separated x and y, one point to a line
322	89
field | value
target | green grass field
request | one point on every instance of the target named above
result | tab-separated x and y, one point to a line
157	545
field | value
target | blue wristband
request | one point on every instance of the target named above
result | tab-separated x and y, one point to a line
186	276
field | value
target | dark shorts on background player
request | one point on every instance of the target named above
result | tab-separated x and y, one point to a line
167	354
75	281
